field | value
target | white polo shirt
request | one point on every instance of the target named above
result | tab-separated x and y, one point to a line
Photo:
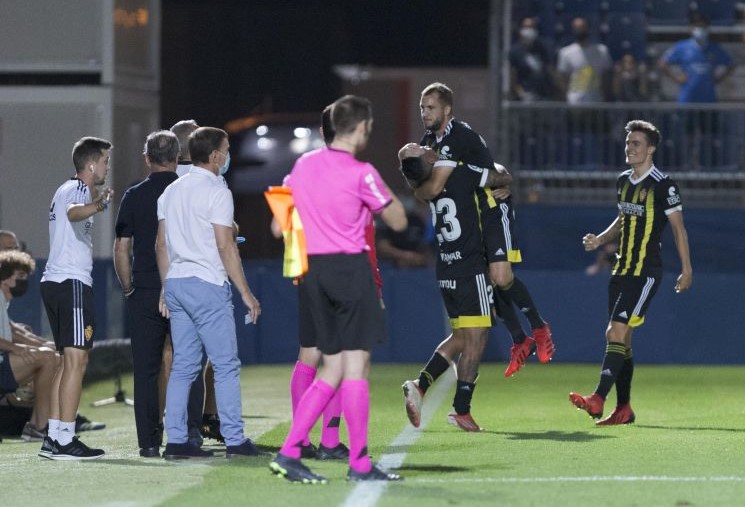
190	206
70	243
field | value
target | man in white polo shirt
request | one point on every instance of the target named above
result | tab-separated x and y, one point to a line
196	256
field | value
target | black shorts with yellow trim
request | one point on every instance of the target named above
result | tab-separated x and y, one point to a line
629	297
468	301
500	240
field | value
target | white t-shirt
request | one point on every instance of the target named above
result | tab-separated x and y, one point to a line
190	206
585	66
70	243
5	332
182	169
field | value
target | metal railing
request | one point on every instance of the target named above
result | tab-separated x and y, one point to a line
572	153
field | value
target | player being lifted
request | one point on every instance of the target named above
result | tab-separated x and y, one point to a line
475	226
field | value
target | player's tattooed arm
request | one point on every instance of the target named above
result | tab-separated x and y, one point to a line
498	177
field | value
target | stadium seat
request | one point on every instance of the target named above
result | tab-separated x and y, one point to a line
623	5
719	12
578	7
668	12
627	33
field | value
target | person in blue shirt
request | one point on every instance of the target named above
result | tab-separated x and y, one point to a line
697	64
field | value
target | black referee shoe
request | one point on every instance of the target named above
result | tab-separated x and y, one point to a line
185	451
75	450
375	474
340	452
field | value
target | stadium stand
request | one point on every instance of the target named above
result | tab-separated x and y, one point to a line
627	33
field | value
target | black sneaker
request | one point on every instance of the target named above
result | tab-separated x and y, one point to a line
375	474
82	423
308	451
75	450
324	453
211	427
294	471
185	451
247	448
195	437
47	448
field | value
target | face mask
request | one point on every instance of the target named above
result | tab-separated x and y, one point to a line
581	35
20	288
224	168
528	34
700	33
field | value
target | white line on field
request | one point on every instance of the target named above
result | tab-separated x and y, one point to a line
592	478
366	494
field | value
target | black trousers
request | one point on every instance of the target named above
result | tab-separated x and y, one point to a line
148	332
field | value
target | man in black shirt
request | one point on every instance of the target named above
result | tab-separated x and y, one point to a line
137	226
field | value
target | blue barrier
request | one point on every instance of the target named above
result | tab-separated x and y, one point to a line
697	327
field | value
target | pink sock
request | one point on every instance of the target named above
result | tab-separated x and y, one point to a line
302	378
308	411
331	420
355	404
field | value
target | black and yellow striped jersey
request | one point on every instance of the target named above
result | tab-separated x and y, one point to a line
455	212
643	207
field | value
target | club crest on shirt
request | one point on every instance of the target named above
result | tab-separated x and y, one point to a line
642	194
88	333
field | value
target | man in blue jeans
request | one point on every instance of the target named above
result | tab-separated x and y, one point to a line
196	256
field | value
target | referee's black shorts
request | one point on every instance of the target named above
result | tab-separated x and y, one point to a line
69	306
339	296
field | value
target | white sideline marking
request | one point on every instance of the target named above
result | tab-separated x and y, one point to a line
366	494
592	478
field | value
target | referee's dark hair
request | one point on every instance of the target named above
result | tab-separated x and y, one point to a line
444	93
161	147
203	141
88	149
327	126
348	111
650	131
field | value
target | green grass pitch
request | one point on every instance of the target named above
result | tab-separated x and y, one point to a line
687	448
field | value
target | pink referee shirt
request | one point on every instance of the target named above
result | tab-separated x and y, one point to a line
334	194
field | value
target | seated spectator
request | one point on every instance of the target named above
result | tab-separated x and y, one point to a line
531	65
408	248
23	334
629	80
584	66
19	362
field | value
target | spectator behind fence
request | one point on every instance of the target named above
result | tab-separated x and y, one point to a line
584	66
630	80
531	65
697	64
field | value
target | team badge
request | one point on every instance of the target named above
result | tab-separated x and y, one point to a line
642	194
88	333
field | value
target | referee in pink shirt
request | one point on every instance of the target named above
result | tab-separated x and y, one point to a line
334	194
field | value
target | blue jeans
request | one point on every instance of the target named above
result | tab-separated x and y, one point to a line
202	316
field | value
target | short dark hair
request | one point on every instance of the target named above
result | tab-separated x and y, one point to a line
203	141
12	260
161	147
327	126
444	93
88	149
348	111
650	131
183	129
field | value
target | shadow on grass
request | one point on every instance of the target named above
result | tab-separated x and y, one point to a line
556	436
440	469
689	428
